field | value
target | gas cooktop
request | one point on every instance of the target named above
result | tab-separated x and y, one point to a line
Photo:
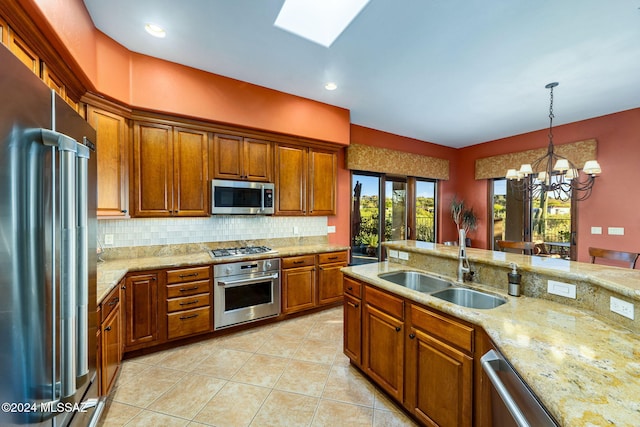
242	251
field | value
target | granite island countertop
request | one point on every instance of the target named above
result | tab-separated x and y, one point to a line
583	367
110	272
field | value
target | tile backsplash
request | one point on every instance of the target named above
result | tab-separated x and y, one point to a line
218	228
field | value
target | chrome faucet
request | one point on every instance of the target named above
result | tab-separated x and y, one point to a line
463	262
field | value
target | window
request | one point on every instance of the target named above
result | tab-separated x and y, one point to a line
425	208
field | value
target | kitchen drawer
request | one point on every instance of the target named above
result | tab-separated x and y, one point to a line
188	303
352	287
443	328
110	303
186	289
188	274
332	257
385	302
298	261
188	322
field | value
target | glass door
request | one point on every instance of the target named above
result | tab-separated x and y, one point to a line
365	219
395	209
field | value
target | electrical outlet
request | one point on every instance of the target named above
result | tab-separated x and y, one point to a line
296	230
404	255
108	239
621	307
331	229
393	253
596	230
616	231
562	289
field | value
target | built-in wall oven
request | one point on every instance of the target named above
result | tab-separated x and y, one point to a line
246	291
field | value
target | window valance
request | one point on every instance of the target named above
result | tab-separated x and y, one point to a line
383	160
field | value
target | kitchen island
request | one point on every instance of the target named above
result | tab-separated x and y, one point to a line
582	363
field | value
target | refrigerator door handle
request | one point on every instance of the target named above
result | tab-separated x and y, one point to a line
82	290
66	148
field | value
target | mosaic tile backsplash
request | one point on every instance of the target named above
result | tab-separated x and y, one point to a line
219	228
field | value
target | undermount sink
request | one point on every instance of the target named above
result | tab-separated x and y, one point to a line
469	298
416	281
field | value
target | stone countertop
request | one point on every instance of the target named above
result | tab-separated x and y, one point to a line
620	280
584	368
110	272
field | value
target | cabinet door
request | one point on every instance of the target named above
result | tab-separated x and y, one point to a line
257	160
330	283
51	80
4	28
190	157
227	157
439	382
352	329
112	133
383	350
111	349
323	169
141	310
298	289
152	170
24	53
291	180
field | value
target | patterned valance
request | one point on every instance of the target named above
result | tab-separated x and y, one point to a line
496	166
383	160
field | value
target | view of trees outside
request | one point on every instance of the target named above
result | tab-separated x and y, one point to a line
550	217
425	211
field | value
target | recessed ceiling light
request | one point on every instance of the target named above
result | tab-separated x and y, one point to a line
331	86
155	30
319	21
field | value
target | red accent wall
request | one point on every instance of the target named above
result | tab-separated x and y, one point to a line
614	201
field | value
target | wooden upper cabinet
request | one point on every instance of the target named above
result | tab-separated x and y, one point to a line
170	171
4	28
152	169
323	170
24	52
53	81
291	180
190	170
112	137
235	157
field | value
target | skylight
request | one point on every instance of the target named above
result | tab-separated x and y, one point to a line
321	21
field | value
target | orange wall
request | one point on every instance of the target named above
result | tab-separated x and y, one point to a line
148	83
614	201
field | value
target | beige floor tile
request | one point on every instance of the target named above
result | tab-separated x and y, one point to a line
348	385
384	403
304	377
234	406
153	358
222	363
326	330
188	396
261	370
146	388
117	414
317	351
248	341
285	409
154	419
280	345
297	328
129	370
391	419
184	358
332	414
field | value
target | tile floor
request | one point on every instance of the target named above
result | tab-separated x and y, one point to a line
290	373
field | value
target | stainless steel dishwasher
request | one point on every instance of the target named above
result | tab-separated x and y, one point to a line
512	403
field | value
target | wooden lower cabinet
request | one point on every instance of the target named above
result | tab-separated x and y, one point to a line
383	340
422	358
330	276
141	310
189	301
110	340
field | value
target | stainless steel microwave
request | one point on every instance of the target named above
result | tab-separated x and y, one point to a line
241	197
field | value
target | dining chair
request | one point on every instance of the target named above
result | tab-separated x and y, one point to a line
630	257
527	248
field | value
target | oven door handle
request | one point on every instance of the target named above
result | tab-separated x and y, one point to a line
243	282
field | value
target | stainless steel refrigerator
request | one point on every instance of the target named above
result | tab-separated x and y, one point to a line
47	256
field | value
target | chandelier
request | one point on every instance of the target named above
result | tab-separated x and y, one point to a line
553	173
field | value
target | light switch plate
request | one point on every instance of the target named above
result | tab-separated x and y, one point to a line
403	255
621	307
108	239
331	229
616	231
562	289
596	230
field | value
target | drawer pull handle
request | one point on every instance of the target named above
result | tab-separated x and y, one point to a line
354	305
398	328
299	262
333	257
114	301
182	276
189	289
188	317
190	302
107	329
350	288
412	336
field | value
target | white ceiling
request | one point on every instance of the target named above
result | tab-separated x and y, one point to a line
451	72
